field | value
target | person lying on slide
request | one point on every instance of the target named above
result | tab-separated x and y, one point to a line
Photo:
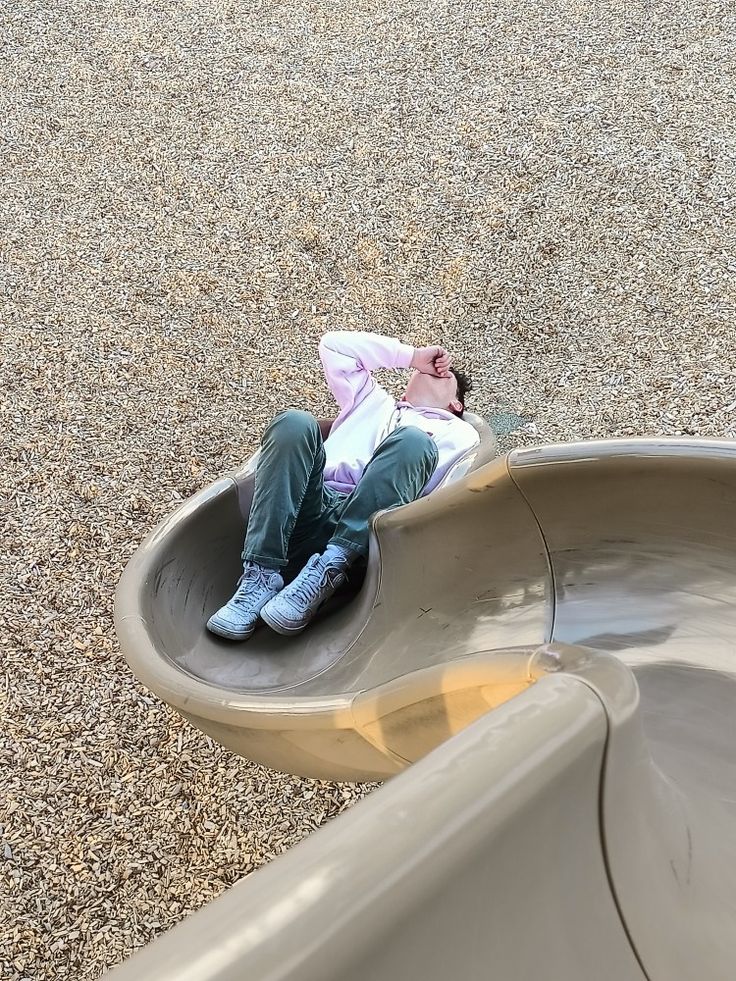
315	497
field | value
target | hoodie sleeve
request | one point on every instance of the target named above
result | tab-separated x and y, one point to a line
348	358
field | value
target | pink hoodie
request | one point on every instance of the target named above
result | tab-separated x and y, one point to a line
368	413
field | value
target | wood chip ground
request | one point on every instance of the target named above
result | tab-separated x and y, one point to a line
192	192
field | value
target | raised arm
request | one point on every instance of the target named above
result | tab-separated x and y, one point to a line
348	358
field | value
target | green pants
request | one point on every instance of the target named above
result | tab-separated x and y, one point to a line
294	515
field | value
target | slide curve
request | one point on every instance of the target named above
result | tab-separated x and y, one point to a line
584	827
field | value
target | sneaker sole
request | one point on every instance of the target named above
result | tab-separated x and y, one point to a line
281	628
216	628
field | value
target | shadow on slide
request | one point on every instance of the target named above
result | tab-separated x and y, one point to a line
585	828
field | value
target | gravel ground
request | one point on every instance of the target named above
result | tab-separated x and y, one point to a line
192	193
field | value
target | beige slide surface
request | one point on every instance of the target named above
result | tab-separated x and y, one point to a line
568	615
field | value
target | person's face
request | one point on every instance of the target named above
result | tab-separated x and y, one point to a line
432	392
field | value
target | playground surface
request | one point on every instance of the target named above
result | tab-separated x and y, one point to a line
192	195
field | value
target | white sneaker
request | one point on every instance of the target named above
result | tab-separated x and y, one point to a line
296	605
237	619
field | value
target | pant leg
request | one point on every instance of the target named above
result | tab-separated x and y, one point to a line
288	487
312	535
396	474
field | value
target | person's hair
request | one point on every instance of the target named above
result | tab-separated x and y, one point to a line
464	387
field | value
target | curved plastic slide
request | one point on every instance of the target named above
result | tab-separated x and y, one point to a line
295	704
583	829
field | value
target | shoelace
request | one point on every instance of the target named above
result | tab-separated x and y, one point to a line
252	577
316	578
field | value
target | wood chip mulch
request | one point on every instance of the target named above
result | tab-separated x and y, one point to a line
192	193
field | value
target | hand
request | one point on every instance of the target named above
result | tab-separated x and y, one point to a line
433	360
